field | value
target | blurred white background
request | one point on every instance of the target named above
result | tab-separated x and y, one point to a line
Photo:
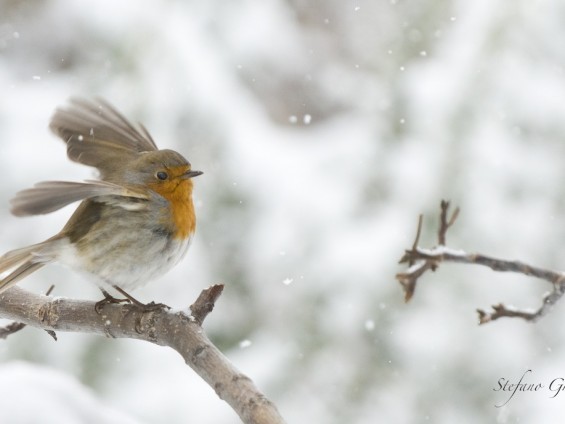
323	129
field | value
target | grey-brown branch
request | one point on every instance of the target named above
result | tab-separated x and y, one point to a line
178	330
421	260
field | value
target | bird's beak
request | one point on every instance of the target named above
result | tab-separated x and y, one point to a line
191	174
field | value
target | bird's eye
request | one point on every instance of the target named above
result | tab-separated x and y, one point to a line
162	175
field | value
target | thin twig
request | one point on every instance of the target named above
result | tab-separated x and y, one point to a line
445	223
421	260
417	238
442	254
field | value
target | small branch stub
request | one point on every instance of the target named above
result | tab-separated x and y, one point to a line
421	260
10	329
205	302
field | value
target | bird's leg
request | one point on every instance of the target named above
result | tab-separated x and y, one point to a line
108	298
145	307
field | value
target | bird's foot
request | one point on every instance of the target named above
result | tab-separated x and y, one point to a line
108	299
144	307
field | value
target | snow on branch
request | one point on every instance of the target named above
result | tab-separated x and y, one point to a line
176	329
420	260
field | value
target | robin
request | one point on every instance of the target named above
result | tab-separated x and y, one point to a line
132	225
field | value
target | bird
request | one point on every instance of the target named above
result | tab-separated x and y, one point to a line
133	224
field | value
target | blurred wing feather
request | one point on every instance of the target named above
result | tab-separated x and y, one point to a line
49	196
98	135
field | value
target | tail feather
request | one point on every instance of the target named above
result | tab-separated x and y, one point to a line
20	263
20	272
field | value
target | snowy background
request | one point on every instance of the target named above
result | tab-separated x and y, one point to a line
323	129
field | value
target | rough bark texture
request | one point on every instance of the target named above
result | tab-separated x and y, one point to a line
177	330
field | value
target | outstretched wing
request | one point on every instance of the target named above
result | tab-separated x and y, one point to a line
98	135
49	196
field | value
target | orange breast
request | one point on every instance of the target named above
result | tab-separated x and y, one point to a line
183	215
182	218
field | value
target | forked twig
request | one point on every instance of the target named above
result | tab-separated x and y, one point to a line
420	260
444	222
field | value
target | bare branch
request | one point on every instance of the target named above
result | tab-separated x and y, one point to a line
11	328
417	238
177	330
421	260
205	302
14	327
500	311
445	223
409	278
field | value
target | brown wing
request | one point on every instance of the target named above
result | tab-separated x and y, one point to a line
98	135
49	196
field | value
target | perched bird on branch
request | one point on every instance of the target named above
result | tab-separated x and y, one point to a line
132	225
